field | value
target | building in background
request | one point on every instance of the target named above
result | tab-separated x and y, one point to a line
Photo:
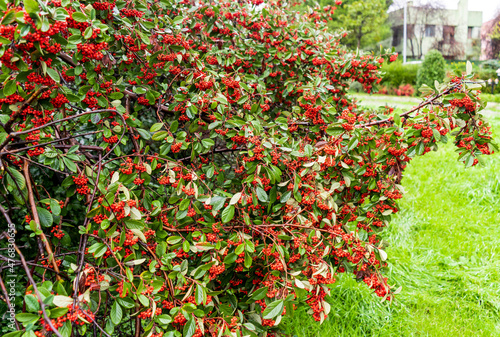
456	33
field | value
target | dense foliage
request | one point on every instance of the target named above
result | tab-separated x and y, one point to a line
177	168
397	73
432	69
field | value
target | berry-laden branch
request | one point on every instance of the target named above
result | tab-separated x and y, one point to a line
201	171
417	108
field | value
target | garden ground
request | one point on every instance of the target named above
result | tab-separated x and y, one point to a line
445	252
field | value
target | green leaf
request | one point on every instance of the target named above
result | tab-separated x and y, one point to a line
66	329
174	126
273	310
87	34
25	317
174	239
101	250
46	219
144	134
334	130
79	17
397	119
239	249
55	207
353	143
116	313
249	246
53	74
70	164
58	312
221	98
177	20
420	148
261	194
31	6
160	135
199	294
155	127
186	246
189	328
126	302
230	258
18	178
10	88
259	294
62	301
32	303
45	25
184	204
164	320
227	214
75	39
217	202
144	37
207	142
8	18
248	261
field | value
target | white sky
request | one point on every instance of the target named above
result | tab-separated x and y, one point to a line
488	7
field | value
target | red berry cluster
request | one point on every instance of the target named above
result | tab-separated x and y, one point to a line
81	181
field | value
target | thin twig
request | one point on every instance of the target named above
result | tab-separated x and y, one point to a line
37	219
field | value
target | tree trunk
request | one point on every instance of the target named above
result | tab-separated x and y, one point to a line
359	36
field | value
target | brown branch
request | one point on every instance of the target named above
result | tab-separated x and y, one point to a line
215	151
2	285
9	305
34	211
7	126
34	265
15	134
59	146
421	105
61	120
16	114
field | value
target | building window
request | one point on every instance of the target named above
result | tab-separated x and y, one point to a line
448	34
430	30
473	33
397	36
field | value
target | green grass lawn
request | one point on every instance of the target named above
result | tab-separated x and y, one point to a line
405	102
445	252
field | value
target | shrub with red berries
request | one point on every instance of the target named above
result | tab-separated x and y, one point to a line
186	168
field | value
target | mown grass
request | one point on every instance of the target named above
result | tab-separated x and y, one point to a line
375	100
445	252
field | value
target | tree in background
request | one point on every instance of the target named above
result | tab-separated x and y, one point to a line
366	22
432	69
495	38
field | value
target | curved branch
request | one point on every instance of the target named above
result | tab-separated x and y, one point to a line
37	219
404	114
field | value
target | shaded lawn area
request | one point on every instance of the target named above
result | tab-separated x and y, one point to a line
445	252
